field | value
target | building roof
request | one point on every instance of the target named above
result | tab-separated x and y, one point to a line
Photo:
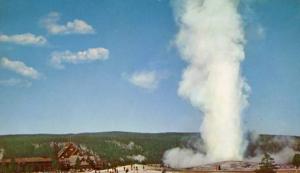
69	148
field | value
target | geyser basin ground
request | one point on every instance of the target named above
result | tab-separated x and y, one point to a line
233	166
226	166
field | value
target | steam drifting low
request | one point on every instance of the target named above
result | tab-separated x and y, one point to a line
211	41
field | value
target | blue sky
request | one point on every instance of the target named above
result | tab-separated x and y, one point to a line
89	66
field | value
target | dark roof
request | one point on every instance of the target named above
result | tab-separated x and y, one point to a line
67	148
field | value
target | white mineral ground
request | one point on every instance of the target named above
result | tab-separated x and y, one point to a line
146	169
227	167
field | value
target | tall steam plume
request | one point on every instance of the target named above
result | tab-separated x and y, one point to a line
211	41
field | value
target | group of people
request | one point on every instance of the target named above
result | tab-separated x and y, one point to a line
133	168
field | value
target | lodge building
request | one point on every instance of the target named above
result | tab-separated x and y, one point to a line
26	164
70	156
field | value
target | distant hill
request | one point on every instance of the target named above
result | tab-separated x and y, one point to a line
124	147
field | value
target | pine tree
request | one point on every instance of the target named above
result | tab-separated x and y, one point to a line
267	165
54	163
77	164
12	165
296	161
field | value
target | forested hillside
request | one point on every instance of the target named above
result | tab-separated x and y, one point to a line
125	147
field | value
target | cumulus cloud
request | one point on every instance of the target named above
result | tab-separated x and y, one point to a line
15	82
23	39
77	26
19	67
145	79
91	54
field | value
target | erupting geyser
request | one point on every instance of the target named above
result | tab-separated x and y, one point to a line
211	41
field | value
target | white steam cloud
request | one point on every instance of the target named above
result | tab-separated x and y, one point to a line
139	158
1	153
284	155
211	41
183	158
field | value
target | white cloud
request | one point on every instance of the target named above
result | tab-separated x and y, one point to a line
145	79
23	39
15	82
76	26
19	67
91	54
